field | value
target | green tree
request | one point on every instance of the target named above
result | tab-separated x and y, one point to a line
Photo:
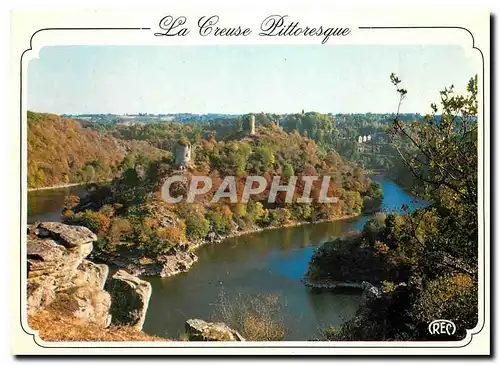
88	173
444	158
288	170
197	226
261	160
255	212
128	162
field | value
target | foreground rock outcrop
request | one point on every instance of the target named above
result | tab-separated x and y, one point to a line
130	297
59	277
62	281
370	292
199	330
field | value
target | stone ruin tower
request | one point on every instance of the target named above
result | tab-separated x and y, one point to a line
251	124
183	153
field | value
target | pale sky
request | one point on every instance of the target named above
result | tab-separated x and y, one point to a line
241	79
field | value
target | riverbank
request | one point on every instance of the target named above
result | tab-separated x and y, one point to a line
409	188
332	285
295	224
62	186
182	261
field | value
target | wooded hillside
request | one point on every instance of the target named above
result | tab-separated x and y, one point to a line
60	151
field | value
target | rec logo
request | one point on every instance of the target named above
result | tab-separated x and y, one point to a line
442	327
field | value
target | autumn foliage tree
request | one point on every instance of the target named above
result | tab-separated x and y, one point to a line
426	260
442	154
61	151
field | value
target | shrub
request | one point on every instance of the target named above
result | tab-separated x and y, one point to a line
279	216
255	317
381	247
197	226
260	160
239	210
255	213
171	234
452	297
301	212
71	201
95	221
288	170
119	226
374	227
220	217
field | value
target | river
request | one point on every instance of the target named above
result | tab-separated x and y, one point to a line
268	262
46	205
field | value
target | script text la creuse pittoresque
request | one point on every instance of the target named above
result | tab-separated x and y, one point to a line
271	26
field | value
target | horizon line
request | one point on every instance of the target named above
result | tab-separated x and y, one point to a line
222	113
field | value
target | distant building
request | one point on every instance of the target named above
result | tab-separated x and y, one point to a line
183	154
128	123
251	123
364	138
369	137
360	139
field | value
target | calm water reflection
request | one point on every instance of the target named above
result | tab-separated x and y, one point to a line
46	205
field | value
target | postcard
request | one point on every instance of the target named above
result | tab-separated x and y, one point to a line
221	180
